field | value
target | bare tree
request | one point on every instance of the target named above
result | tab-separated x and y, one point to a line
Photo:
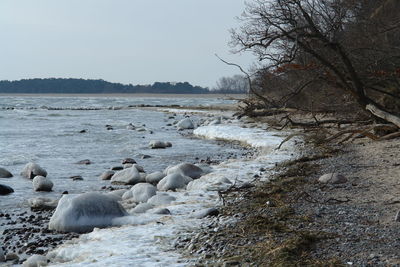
234	84
348	45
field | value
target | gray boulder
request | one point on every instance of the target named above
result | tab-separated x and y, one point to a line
35	261
5	190
159	144
205	213
32	169
82	213
138	167
117	194
332	178
185	124
42	203
161	199
155	177
107	175
173	181
41	183
186	169
128	176
141	192
142	208
5	174
128	160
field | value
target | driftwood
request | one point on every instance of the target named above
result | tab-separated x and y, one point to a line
383	115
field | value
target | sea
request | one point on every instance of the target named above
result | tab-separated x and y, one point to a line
57	132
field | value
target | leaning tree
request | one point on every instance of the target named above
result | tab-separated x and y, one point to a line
350	46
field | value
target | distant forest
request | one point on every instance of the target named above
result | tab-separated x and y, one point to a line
82	86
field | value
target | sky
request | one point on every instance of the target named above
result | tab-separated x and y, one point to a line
126	41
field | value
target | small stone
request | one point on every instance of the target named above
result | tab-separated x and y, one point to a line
11	257
84	162
117	168
128	160
332	178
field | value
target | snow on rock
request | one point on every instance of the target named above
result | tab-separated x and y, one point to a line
32	169
142	208
43	203
186	169
128	176
210	183
173	181
161	199
141	192
82	213
35	261
185	124
41	183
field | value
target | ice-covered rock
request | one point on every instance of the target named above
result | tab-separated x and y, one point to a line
155	177
332	178
127	176
138	167
42	203
142	208
159	144
5	174
82	213
161	211
173	181
185	124
32	169
107	175
41	183
205	212
210	183
5	190
35	261
118	193
141	192
161	199
186	169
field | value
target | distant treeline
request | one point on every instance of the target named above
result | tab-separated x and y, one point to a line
77	86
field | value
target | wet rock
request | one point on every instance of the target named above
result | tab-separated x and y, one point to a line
41	183
332	178
205	212
186	169
42	203
185	124
32	169
12	257
159	144
117	168
142	208
128	160
141	192
82	213
138	167
76	178
155	177
84	162
128	176
161	199
118	193
173	181
35	261
5	190
5	174
107	175
146	156
83	131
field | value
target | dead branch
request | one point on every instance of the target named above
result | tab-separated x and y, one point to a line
288	138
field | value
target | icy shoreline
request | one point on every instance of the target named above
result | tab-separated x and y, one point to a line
146	240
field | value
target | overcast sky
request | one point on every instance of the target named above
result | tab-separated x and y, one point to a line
127	41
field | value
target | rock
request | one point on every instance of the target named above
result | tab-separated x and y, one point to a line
84	162
127	165
186	169
41	183
161	199
332	178
42	203
155	177
12	257
32	169
397	217
76	178
118	193
35	261
117	168
146	156
127	195
83	131
173	181
205	212
2	258
130	126
185	124
142	208
163	211
158	144
141	192
142	177
128	160
138	167
107	175
82	213
168	144
5	174
127	176
5	190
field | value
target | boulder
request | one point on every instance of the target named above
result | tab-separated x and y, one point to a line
117	168
138	167
5	174
117	194
5	190
127	165
42	203
128	160
155	177
173	181
185	124
157	144
129	176
127	195
41	183
205	213
332	178
186	169
84	162
32	169
142	208
161	199
35	261
161	211
107	175
142	177
141	192
81	213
